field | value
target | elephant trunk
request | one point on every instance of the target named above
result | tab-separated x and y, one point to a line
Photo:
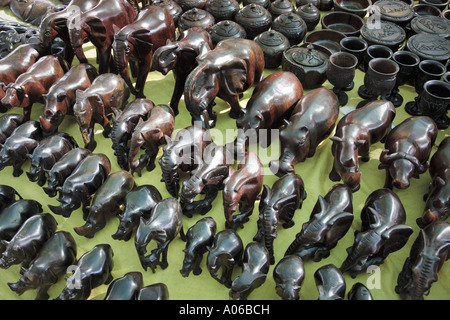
284	165
119	141
426	276
121	57
77	36
170	175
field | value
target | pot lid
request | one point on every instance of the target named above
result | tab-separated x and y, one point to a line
386	33
395	11
429	46
195	15
253	11
308	57
228	28
272	38
431	24
290	20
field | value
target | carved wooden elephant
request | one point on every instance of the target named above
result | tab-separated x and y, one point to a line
138	40
228	70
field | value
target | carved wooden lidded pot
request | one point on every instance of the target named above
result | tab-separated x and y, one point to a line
196	18
187	5
227	29
273	44
254	18
278	7
292	26
171	6
222	9
308	63
310	14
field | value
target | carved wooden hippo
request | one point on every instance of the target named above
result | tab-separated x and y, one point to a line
124	125
232	67
57	254
22	142
64	168
107	95
31	85
242	188
107	200
289	274
313	120
272	100
82	183
355	133
92	270
163	226
126	287
149	135
407	149
278	204
198	238
47	154
28	241
61	97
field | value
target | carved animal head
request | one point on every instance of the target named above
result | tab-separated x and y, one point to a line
289	274
330	283
188	262
82	110
15	96
6	157
437	203
402	167
54	111
11	256
165	58
25	282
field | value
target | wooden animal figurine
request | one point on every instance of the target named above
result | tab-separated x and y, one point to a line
407	149
28	241
359	292
81	184
163	226
54	25
156	291
278	204
289	274
330	219
254	271
226	252
31	85
57	254
382	232
47	153
13	217
242	188
61	97
32	11
138	40
208	178
437	199
312	121
149	135
63	168
355	133
185	153
330	283
180	58
107	200
428	254
138	203
126	287
272	100
198	238
14	64
92	270
124	125
228	70
96	25
7	196
8	123
107	95
24	139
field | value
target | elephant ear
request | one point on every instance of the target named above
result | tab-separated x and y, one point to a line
339	226
143	40
216	176
98	29
203	52
236	77
395	238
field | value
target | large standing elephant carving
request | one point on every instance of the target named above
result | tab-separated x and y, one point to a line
225	72
96	25
138	40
